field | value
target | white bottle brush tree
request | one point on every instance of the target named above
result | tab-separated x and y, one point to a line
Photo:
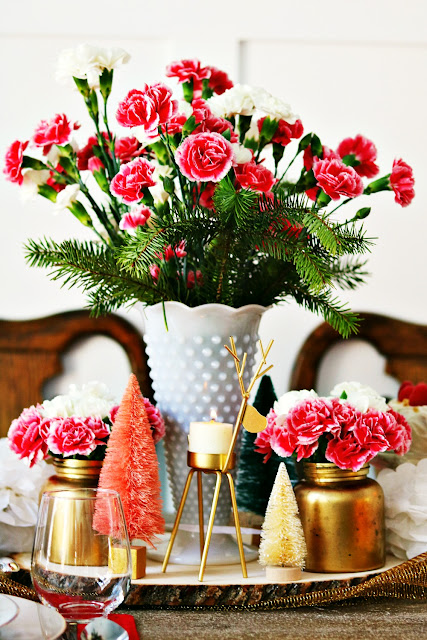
282	549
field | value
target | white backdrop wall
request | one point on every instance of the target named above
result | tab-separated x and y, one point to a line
345	67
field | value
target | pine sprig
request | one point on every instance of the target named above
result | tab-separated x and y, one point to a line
91	267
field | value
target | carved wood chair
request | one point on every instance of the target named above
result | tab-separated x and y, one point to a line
402	344
31	350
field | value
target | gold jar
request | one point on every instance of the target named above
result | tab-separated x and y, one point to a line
342	514
73	475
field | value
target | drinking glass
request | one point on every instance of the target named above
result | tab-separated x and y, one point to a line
81	563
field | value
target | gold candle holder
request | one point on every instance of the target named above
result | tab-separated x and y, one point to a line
221	465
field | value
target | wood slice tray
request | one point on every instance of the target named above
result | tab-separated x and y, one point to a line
224	585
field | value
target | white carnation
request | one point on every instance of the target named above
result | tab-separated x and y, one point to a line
32	180
91	399
240	99
241	155
243	99
360	396
285	403
88	61
66	197
158	193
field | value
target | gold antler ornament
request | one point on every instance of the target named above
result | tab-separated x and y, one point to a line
220	464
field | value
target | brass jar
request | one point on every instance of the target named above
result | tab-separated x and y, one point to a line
73	475
342	514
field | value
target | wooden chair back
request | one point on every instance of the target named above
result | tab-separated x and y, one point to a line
31	350
402	344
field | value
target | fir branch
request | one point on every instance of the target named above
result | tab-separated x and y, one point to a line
93	268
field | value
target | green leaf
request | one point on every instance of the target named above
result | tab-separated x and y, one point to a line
78	210
304	142
69	167
48	192
105	83
268	129
33	163
363	213
189	126
187	90
83	86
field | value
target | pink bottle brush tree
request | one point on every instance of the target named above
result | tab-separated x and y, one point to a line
131	468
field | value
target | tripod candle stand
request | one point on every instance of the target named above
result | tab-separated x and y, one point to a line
221	464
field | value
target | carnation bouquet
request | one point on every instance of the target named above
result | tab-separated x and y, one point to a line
194	199
348	428
76	425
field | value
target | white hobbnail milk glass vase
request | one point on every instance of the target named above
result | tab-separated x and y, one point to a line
194	378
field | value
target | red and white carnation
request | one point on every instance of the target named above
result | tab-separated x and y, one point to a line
205	157
26	435
58	130
129	183
13	161
402	182
134	219
362	153
336	179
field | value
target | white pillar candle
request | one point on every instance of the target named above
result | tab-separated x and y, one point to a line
210	437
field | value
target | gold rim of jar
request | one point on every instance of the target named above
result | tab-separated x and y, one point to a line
324	472
77	469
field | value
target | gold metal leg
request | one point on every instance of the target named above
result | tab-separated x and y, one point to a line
177	519
237	525
201	521
210	525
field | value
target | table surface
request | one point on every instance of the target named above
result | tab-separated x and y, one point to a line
391	618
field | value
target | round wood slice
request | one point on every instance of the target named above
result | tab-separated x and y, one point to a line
277	574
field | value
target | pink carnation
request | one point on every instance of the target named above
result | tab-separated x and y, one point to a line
263	439
154	270
27	435
309	158
178	251
336	179
135	219
132	179
85	153
175	124
95	164
127	148
188	70
219	81
74	436
348	453
205	197
309	419
55	131
402	182
13	161
205	157
362	150
398	433
194	278
217	125
254	176
201	109
149	108
369	430
285	131
156	421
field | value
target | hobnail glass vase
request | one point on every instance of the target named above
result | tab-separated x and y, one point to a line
193	375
